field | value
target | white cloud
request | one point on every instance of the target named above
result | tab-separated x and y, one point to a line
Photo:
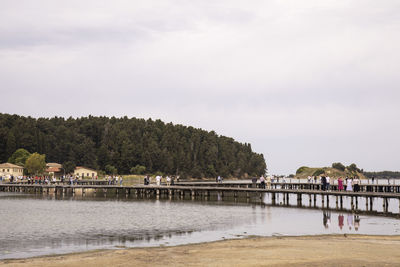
305	82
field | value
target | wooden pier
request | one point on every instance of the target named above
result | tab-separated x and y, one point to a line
295	185
205	192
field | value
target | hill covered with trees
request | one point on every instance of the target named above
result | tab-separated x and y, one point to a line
335	171
129	144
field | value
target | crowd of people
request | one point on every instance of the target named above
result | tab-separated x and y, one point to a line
351	183
168	180
114	179
45	179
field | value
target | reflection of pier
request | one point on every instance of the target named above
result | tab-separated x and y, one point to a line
301	195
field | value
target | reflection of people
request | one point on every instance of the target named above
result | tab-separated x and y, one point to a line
327	218
356	222
341	221
350	220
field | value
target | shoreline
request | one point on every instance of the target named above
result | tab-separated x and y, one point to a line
310	250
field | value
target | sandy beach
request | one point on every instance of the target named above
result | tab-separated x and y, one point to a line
323	250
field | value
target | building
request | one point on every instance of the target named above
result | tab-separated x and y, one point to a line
54	170
53	164
8	169
84	172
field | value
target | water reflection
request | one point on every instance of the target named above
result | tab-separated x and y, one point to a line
353	220
49	225
326	218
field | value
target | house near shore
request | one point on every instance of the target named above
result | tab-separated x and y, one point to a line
84	172
54	170
9	169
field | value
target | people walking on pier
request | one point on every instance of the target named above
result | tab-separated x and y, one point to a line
323	182
120	180
340	184
269	182
254	182
168	180
315	179
356	184
328	183
349	186
262	181
158	180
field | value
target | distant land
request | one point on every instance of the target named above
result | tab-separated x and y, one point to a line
339	170
128	145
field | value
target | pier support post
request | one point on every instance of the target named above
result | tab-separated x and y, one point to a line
337	202
352	203
341	202
371	203
356	203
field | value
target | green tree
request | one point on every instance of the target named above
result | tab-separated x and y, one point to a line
318	172
138	169
36	164
339	166
353	168
19	157
301	169
11	145
111	170
68	167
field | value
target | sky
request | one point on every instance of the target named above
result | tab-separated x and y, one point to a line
306	83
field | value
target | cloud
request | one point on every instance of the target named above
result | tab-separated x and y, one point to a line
305	82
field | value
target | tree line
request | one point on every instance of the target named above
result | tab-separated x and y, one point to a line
383	175
127	145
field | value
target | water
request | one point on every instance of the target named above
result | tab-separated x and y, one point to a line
41	225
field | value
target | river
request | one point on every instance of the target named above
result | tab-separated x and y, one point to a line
34	225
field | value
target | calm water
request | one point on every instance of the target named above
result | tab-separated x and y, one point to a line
36	225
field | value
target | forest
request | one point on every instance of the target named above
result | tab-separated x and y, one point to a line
128	144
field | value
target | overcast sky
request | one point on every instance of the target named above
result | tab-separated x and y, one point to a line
306	82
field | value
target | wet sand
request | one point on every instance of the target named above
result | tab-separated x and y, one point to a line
323	250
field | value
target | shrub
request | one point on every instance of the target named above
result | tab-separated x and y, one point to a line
338	166
138	169
301	169
353	168
318	172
